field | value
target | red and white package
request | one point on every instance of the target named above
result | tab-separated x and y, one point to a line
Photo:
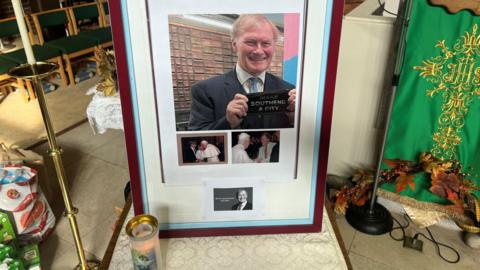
22	198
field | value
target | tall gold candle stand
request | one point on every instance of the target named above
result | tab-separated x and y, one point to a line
35	73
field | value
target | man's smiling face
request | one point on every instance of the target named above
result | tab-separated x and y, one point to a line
242	196
255	48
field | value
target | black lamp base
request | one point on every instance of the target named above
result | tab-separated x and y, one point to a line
375	222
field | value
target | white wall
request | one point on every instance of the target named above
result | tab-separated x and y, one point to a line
362	77
392	6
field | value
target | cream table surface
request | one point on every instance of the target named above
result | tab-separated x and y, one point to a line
278	251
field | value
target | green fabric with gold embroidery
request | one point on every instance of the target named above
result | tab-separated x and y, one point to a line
437	105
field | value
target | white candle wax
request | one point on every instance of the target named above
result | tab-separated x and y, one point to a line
18	10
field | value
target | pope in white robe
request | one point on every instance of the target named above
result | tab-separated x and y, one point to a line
239	155
208	152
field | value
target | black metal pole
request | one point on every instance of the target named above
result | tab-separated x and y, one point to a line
376	219
395	79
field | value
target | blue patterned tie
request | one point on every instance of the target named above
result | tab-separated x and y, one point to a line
253	84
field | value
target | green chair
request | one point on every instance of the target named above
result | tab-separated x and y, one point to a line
9	27
71	46
7	81
5	66
90	11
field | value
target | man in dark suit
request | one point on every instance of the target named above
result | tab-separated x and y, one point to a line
189	152
242	204
221	102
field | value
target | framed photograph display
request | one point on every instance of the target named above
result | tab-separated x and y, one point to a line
227	110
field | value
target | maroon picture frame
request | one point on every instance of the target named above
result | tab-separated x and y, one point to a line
132	151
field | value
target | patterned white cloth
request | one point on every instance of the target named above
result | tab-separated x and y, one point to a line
104	112
259	252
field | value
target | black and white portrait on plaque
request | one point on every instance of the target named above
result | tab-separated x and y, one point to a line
233	199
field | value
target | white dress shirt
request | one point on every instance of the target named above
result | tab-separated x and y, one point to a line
241	206
243	77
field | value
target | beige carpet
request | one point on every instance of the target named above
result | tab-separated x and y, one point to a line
21	122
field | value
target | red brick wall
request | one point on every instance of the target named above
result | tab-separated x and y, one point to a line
198	54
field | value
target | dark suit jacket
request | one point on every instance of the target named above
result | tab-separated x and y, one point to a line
248	206
211	97
275	153
189	155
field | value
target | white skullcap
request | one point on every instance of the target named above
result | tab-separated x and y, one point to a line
242	137
204	142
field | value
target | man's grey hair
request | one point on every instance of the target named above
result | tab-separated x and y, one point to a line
246	21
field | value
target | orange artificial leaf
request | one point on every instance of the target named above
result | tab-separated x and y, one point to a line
404	180
361	200
393	163
452	195
397	163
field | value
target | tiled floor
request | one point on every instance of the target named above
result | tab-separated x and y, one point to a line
97	170
368	252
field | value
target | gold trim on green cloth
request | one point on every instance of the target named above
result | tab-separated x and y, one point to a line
457	217
456	76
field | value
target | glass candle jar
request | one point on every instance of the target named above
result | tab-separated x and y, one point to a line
144	242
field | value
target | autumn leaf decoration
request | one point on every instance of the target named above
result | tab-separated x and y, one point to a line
402	173
445	185
358	195
448	181
107	71
404	180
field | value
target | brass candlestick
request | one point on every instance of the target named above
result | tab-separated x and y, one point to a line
35	73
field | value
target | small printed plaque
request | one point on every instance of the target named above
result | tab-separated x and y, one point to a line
270	102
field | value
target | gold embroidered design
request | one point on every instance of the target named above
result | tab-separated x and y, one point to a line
456	75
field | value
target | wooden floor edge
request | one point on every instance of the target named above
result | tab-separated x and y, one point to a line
107	257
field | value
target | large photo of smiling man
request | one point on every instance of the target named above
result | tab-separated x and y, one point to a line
234	71
248	96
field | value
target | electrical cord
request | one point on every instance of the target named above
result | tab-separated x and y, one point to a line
383	7
400	227
431	239
437	246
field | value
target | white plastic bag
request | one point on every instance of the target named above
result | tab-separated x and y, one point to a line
22	200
